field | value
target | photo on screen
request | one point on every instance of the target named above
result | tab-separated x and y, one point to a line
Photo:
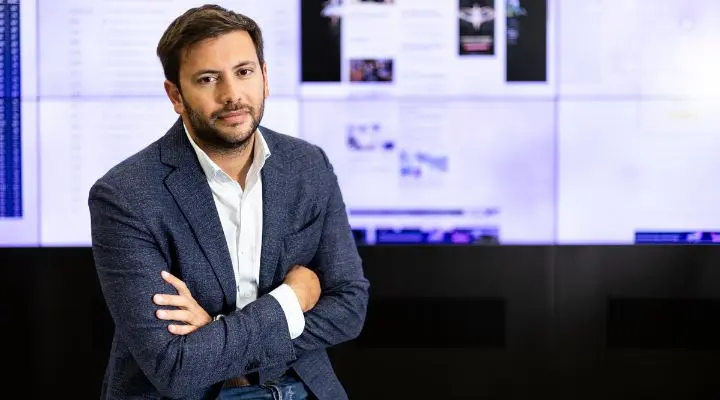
321	22
368	138
371	70
526	41
476	20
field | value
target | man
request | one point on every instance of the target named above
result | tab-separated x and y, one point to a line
213	243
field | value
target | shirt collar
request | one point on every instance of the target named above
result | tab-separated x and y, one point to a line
212	171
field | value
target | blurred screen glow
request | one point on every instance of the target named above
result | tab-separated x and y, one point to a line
454	121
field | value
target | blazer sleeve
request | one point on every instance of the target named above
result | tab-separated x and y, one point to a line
129	261
339	315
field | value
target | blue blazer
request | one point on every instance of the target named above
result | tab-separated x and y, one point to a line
155	211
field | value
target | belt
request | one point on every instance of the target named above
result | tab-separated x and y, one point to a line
241	381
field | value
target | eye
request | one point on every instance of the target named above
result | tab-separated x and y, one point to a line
206	80
244	72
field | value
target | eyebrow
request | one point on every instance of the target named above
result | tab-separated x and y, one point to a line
241	64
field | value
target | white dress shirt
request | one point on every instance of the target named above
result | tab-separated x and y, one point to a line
241	217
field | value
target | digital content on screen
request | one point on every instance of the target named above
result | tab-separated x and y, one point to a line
447	122
19	175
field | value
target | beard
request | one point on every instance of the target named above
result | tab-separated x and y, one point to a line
209	134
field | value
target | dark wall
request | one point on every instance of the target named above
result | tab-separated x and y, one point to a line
444	322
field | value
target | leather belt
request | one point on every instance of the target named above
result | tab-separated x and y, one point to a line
240	381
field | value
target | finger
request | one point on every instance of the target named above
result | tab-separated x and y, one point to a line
171	300
182	329
177	283
175	315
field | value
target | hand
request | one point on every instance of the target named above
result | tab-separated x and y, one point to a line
189	311
306	285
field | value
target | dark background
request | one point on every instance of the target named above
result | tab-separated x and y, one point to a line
496	322
526	61
319	44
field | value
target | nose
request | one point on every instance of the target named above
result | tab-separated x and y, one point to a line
229	91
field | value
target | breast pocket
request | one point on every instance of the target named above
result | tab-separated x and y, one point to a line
300	247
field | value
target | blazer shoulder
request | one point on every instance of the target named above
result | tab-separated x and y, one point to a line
136	170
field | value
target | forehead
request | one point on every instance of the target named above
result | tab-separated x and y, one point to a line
219	53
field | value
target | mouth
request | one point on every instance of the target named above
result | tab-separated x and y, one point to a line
234	117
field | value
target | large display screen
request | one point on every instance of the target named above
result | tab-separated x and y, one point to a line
447	121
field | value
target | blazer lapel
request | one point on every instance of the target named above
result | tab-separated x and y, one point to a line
188	185
274	184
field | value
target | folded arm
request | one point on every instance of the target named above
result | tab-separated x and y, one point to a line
129	262
339	315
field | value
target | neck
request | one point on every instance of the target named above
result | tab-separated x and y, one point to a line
234	162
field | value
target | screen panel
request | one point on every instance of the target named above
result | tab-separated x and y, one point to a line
459	48
638	172
454	171
102	97
107	48
638	48
82	139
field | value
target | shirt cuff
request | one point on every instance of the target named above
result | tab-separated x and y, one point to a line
291	307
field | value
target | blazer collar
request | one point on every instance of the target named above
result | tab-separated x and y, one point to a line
188	185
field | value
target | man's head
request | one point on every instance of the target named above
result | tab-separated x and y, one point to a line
216	75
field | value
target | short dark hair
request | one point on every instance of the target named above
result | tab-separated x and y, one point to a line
198	24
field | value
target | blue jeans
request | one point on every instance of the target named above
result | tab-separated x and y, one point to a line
288	388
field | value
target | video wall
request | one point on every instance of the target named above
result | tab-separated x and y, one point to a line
447	121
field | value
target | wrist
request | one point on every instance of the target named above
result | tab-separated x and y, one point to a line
300	300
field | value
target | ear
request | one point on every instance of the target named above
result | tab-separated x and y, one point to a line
266	87
173	93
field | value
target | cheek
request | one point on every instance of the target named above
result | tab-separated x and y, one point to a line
203	107
260	94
